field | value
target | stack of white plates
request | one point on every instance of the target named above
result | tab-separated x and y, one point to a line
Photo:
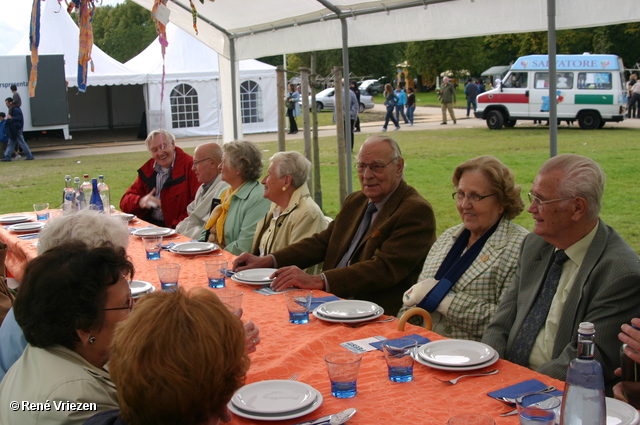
254	277
154	231
348	311
13	219
35	226
194	248
126	217
275	400
456	355
140	287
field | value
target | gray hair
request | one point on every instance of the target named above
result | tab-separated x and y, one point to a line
582	177
245	157
292	164
168	137
379	138
88	226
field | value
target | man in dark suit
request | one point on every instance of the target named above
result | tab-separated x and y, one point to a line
369	253
595	273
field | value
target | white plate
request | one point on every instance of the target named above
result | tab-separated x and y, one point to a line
194	248
139	287
249	283
256	275
621	413
278	416
154	231
126	217
11	219
27	227
456	352
348	309
274	397
421	360
320	316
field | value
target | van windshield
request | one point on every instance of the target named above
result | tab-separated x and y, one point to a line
516	80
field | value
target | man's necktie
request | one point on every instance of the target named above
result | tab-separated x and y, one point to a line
538	314
357	238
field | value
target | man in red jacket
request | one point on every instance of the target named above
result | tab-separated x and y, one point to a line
165	185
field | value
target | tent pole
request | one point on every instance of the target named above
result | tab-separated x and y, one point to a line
234	88
304	89
280	105
347	103
340	133
553	104
317	188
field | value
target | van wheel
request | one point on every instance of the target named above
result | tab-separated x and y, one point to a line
602	123
510	123
589	120
495	120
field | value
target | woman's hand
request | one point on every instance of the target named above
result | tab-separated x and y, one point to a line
252	338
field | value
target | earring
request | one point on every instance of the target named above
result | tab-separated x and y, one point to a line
92	340
284	188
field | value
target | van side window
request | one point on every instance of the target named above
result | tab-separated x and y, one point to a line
541	80
594	81
516	80
565	80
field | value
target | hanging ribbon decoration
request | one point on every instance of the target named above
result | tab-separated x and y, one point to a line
85	10
34	42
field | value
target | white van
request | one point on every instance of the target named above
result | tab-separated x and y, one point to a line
590	89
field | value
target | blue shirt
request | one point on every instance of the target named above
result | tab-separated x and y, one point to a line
12	343
4	137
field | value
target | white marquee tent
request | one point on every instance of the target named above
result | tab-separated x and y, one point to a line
244	29
112	98
191	105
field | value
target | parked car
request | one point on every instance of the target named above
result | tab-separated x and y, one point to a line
372	87
325	100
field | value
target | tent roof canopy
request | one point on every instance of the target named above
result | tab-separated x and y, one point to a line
246	29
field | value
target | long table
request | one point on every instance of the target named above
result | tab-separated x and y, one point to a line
288	348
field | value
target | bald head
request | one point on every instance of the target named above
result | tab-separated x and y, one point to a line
206	159
445	80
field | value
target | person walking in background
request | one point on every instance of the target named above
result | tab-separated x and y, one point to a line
480	86
4	137
293	108
411	105
14	126
16	100
634	103
354	87
402	100
471	91
447	96
390	102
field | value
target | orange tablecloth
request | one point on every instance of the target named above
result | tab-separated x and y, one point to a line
287	348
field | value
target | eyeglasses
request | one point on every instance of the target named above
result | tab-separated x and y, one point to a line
129	306
539	203
361	167
198	162
472	197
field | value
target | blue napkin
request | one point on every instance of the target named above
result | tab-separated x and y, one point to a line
421	341
318	301
167	246
25	237
530	386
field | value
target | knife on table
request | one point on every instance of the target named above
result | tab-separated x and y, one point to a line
324	419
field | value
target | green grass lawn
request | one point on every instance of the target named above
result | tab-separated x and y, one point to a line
430	156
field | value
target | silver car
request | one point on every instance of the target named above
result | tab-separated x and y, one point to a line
325	100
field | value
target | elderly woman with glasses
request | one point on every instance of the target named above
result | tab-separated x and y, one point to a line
69	303
232	224
293	215
471	264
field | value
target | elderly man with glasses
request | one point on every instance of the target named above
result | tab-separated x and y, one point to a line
206	160
573	268
375	247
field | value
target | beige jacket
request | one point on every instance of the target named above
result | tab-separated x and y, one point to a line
62	382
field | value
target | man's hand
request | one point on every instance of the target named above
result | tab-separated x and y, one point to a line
149	200
287	277
248	261
631	337
618	392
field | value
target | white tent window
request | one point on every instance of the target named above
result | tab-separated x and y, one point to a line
184	107
251	102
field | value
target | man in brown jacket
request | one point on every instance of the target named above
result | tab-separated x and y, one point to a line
369	253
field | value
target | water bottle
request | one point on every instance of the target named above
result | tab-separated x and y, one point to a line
104	194
79	201
583	402
96	200
67	196
87	187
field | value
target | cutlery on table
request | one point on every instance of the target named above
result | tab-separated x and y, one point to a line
549	389
357	325
336	419
294	377
455	380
